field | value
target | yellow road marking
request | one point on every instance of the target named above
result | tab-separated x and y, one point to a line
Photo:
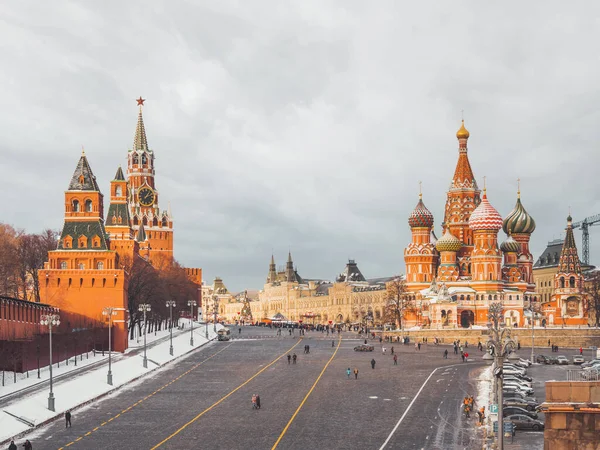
227	396
145	398
306	397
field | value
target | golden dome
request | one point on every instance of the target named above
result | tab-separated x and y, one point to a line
462	133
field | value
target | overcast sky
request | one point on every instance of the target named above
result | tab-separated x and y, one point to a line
303	125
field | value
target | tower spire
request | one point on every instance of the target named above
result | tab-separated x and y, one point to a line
139	141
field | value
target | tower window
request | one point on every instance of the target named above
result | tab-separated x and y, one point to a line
136	159
562	282
100	265
88	206
75	205
572	282
81	266
118	191
63	265
144	159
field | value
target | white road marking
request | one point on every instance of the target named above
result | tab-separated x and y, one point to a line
411	403
373	396
387	399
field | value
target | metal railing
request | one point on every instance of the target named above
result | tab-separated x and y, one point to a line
583	375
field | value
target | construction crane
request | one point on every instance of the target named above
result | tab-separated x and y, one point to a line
585	239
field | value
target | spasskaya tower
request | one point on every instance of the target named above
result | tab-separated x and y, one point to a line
144	211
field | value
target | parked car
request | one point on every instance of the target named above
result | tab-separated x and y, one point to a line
578	359
513	371
552	360
517	380
514	388
525	361
522	422
523	377
364	348
542	359
562	360
516	394
515	410
529	405
522	387
521	364
590	363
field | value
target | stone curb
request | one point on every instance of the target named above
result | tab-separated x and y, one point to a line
87	402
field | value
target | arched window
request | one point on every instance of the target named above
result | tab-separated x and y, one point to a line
100	265
510	297
144	159
572	282
495	297
145	221
118	191
468	297
136	159
81	266
489	298
462	297
88	206
63	265
75	205
562	282
164	221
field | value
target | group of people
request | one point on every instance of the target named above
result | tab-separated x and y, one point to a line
293	357
26	445
468	403
255	401
306	349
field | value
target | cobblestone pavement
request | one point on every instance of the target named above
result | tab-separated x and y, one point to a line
203	401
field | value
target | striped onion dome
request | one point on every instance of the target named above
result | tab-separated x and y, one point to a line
448	243
421	217
485	216
518	220
510	245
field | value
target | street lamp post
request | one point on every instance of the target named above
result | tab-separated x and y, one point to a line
191	304
499	345
108	311
215	311
533	310
145	308
50	320
206	319
170	305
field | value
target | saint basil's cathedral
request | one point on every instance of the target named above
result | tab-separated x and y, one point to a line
85	273
456	277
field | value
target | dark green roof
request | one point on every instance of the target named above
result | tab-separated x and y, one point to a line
119	175
89	229
83	178
141	234
118	210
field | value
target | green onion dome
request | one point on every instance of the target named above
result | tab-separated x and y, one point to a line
510	245
448	243
518	220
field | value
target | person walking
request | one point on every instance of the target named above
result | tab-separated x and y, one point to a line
257	401
254	406
581	350
419	346
446	354
68	419
27	445
373	363
392	350
289	358
294	358
383	349
356	373
308	349
395	360
12	446
462	355
348	372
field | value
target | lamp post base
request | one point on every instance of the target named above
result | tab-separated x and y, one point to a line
145	364
192	342
171	350
109	377
51	402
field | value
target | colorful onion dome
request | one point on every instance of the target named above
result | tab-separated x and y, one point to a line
485	216
518	220
462	132
448	243
510	245
421	217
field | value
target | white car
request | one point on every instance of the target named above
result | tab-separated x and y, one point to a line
513	371
513	388
517	380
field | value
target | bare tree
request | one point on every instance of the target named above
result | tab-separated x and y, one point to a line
592	287
398	301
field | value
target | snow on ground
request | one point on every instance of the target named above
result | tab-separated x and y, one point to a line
485	386
23	381
80	389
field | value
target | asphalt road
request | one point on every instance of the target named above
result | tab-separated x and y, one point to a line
204	401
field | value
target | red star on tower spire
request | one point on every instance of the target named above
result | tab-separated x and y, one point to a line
140	101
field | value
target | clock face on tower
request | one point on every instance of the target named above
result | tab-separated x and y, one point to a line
146	196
